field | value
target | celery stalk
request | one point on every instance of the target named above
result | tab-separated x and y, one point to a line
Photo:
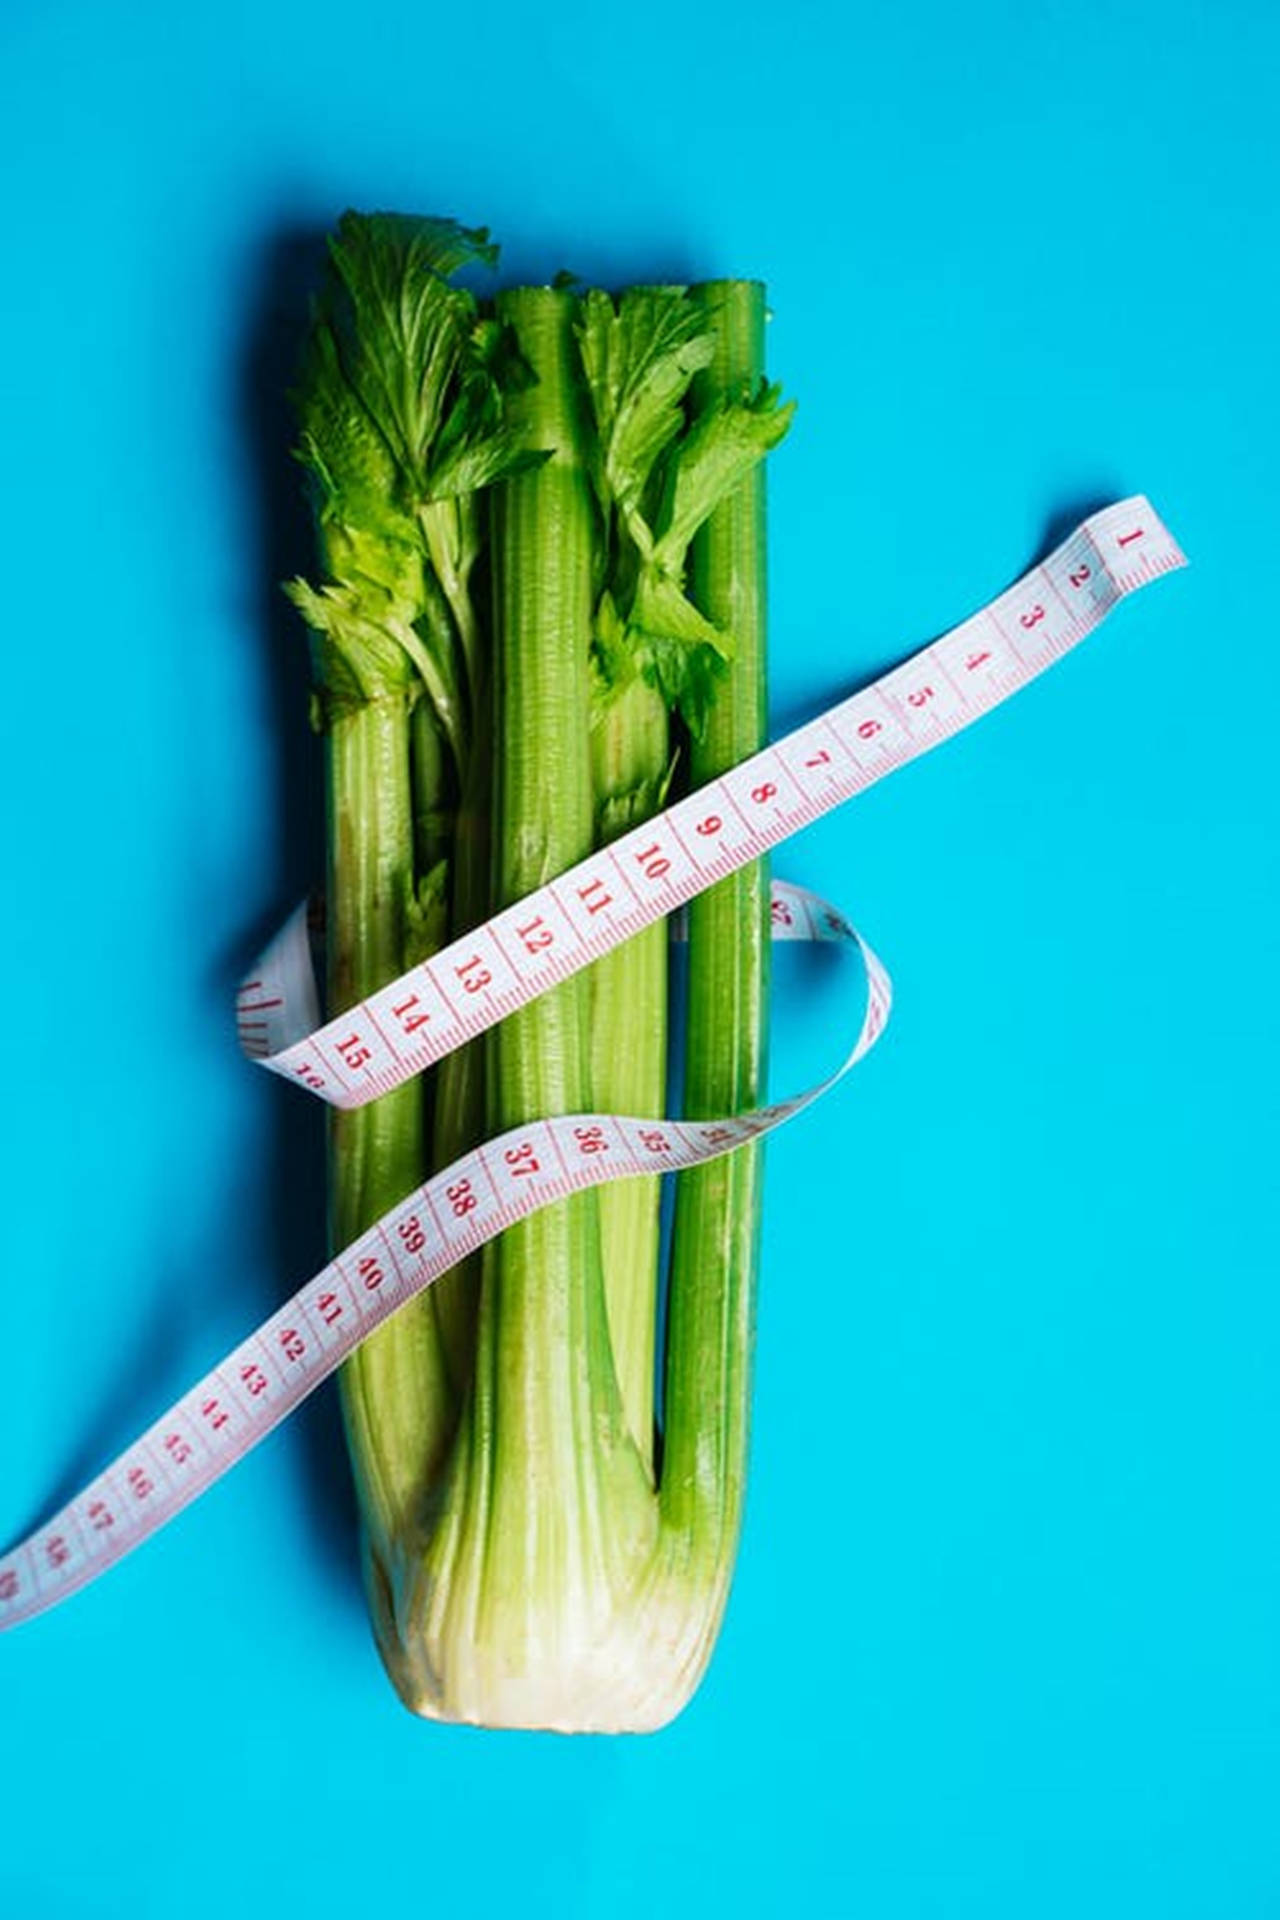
458	1118
515	1612
630	751
717	1212
656	476
399	406
395	1396
524	1569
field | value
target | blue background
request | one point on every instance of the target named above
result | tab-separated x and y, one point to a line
1005	1638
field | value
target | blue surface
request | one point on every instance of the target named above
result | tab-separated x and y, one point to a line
1005	1638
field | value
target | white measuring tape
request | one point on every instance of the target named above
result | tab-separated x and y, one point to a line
519	954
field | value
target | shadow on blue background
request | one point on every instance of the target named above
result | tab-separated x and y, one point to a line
287	279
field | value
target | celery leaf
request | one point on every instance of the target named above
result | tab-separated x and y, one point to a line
639	359
716	454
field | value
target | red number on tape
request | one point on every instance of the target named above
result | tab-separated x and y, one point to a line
409	1017
293	1343
474	975
537	935
712	824
254	1380
594	897
591	1139
522	1159
178	1449
370	1272
461	1199
354	1052
411	1233
654	862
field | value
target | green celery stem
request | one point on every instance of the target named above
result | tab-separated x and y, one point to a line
630	745
459	1116
545	1395
392	1388
717	1210
433	811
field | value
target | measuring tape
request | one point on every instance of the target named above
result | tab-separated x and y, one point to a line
477	980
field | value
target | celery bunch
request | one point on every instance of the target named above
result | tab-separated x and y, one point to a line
538	1553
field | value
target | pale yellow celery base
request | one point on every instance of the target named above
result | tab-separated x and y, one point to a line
587	1658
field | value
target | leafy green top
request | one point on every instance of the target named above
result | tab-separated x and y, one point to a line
400	412
657	478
